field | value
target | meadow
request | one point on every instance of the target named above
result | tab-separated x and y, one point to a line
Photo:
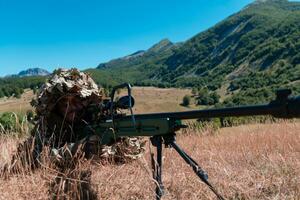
247	162
254	161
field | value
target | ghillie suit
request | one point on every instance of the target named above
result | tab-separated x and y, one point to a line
72	176
67	106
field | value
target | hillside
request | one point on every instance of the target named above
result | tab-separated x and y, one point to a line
251	52
136	68
15	85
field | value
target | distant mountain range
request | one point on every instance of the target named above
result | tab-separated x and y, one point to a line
31	72
252	52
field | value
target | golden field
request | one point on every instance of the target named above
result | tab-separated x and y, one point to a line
247	162
258	161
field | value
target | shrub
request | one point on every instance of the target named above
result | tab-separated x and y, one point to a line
13	123
186	101
8	121
207	98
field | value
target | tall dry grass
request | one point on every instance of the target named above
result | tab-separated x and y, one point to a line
247	162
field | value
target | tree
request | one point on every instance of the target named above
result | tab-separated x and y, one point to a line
186	101
215	97
1	93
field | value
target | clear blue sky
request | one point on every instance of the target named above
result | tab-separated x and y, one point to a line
84	33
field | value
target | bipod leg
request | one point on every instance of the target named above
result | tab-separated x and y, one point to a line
157	166
170	141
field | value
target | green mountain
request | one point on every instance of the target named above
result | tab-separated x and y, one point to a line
136	68
244	57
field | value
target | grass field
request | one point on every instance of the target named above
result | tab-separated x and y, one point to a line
17	105
148	99
258	161
247	162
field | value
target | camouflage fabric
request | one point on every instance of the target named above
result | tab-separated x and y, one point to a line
65	82
124	150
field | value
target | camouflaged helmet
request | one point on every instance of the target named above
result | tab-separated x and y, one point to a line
65	82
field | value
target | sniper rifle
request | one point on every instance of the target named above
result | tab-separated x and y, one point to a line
162	127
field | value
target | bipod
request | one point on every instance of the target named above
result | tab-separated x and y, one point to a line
157	166
170	142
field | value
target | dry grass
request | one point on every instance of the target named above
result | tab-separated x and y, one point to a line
17	105
246	162
148	99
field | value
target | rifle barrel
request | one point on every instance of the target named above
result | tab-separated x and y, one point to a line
285	109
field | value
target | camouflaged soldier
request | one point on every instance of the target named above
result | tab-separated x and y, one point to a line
67	106
63	109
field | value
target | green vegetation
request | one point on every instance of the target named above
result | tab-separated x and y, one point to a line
15	86
12	123
205	97
139	68
186	100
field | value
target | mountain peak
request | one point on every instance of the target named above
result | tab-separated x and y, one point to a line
33	72
161	46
